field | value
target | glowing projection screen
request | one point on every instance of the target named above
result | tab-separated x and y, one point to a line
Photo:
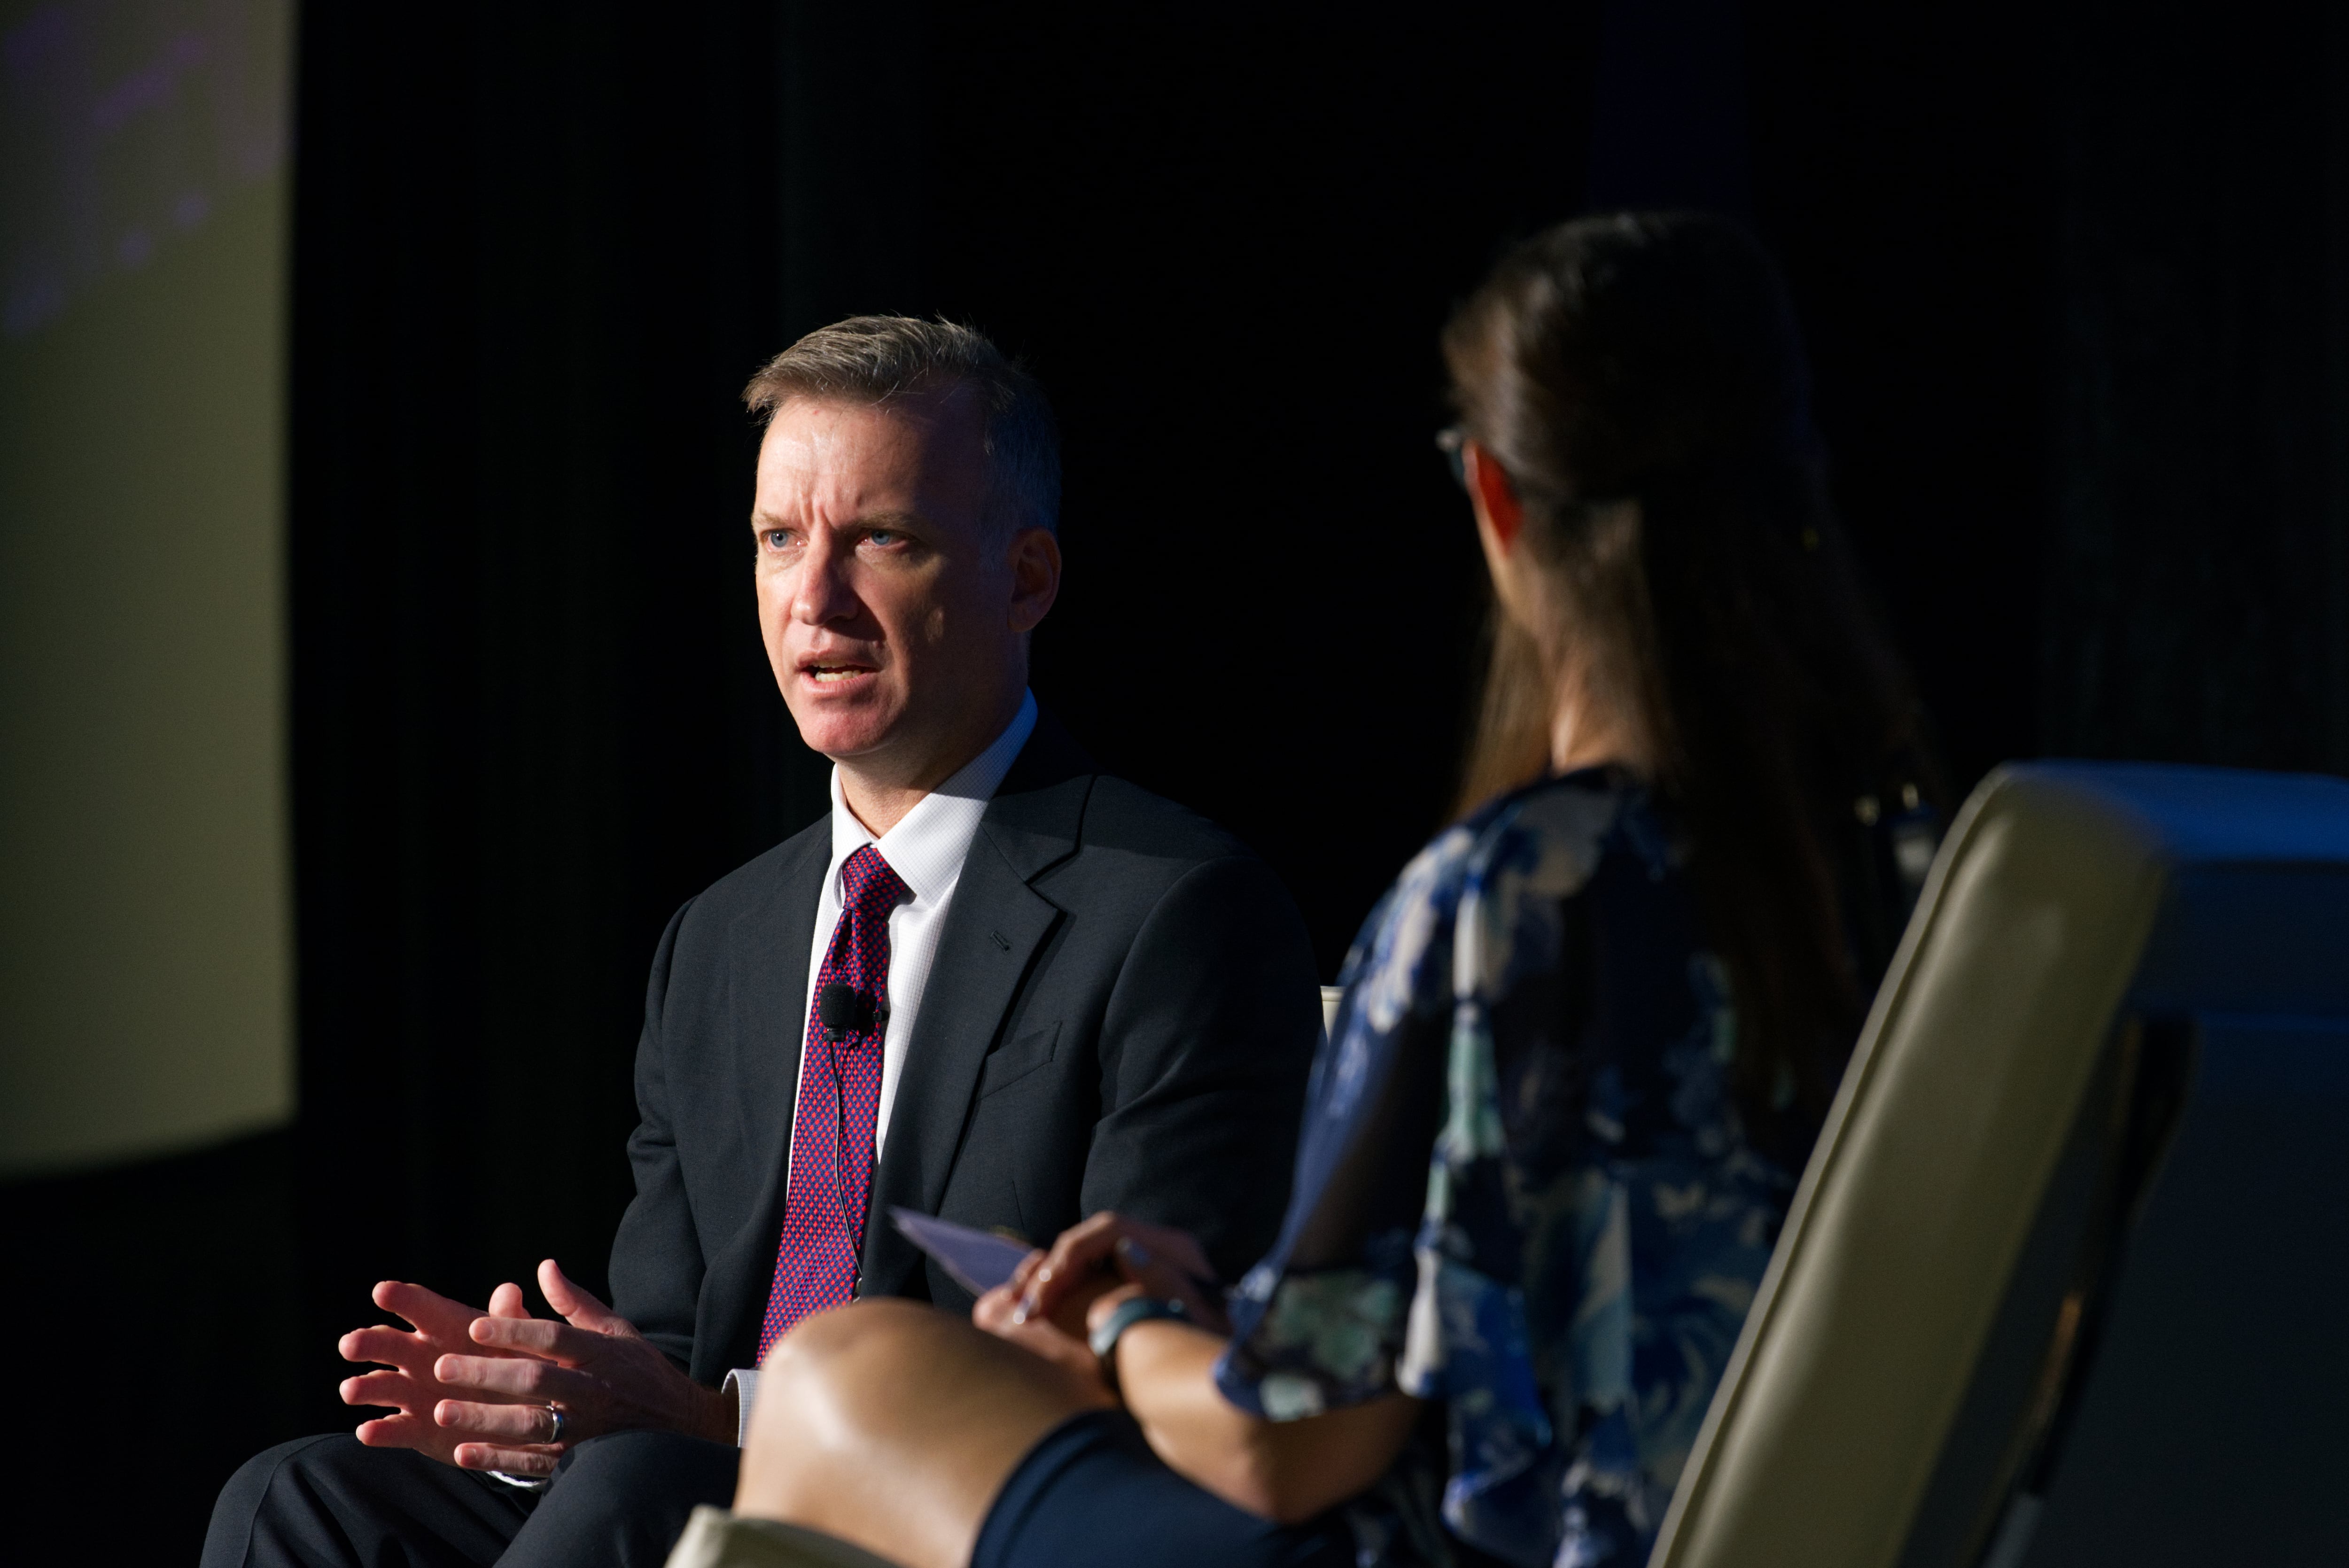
145	977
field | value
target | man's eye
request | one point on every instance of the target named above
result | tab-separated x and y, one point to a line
777	539
884	537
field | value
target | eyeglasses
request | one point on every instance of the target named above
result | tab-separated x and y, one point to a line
1454	444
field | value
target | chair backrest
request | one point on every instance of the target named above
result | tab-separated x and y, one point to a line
2066	1281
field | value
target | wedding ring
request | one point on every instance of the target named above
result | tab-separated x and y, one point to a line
557	1435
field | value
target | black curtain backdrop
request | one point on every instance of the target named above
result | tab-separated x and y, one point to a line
2079	344
536	254
2198	568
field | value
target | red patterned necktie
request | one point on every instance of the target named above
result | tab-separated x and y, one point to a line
839	1105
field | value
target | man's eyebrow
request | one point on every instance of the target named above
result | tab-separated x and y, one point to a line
765	519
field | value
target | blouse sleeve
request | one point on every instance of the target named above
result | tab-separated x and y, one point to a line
1400	1263
1321	1322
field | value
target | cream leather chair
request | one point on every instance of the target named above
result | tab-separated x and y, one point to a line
2066	1282
714	1538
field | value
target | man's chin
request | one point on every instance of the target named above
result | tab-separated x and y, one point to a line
845	736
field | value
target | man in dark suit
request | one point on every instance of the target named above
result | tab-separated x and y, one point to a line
994	985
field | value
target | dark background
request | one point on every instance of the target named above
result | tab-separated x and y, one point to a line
2076	278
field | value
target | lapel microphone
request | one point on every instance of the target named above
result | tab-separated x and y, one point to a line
844	1010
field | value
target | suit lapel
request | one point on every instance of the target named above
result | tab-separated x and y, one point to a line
767	1000
993	930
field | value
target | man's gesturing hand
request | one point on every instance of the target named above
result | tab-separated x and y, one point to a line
594	1367
439	1327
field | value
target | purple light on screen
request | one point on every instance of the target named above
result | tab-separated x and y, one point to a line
148	89
123	123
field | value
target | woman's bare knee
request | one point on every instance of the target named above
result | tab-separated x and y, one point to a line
820	1340
825	1370
893	1424
849	1354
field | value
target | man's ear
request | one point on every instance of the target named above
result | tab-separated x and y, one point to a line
1035	576
1493	496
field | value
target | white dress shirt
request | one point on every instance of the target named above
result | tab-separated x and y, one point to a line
926	849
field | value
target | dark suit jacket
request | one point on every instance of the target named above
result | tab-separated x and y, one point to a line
1120	1016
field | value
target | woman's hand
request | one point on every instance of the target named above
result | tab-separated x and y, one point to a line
1165	1262
1058	1336
1288	1471
1053	1297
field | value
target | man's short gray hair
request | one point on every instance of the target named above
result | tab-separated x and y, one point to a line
869	360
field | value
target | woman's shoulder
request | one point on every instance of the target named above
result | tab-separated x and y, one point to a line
1547	838
1512	860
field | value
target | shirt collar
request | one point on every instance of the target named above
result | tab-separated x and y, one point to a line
929	844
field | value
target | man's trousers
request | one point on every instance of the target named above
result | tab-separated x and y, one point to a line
617	1502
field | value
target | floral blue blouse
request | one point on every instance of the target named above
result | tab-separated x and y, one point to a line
1523	1192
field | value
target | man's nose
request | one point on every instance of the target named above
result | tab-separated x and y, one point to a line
823	594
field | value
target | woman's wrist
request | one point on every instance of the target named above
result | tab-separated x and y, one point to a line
1116	1313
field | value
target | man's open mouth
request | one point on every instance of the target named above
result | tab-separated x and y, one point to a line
823	674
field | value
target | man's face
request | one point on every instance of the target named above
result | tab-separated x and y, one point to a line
894	615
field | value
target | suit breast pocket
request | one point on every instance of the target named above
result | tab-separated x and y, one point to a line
1018	1061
